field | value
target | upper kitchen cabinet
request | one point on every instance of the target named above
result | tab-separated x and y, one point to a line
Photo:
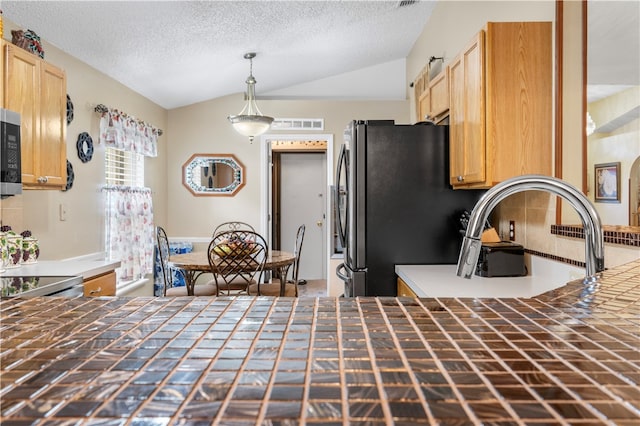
37	91
432	95
500	111
419	86
434	102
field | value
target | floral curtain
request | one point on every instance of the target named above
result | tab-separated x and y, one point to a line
130	230
122	131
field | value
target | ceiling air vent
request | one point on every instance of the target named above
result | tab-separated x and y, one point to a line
298	124
405	3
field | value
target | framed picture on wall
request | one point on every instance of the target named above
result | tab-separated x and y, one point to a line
607	182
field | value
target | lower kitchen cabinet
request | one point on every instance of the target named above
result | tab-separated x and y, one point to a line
404	290
100	285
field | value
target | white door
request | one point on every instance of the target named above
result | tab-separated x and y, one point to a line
303	201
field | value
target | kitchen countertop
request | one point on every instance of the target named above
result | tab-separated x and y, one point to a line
84	268
569	356
442	281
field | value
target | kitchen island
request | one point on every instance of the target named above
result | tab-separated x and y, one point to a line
569	356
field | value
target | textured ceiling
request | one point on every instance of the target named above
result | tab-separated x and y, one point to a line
178	53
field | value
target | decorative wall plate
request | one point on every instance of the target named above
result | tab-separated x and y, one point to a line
70	176
69	110
85	147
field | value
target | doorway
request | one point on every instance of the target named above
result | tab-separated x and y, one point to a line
298	194
297	173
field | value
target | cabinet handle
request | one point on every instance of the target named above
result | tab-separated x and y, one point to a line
460	178
97	290
43	179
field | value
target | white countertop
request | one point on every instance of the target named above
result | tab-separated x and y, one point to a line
442	281
84	268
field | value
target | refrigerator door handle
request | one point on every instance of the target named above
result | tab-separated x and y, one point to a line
343	276
343	163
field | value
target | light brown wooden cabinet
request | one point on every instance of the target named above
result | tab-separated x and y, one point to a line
419	85
37	91
404	290
500	111
100	285
434	101
432	96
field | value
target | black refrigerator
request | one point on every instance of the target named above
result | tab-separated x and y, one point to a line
400	208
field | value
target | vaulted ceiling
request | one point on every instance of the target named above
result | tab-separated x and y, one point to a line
181	52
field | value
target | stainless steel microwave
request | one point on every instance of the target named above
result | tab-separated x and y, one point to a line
10	165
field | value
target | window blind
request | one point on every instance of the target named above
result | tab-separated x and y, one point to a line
124	168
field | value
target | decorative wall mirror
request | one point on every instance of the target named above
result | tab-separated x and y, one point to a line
213	174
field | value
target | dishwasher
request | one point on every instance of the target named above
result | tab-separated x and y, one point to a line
36	286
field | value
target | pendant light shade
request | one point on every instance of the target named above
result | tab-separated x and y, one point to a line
250	122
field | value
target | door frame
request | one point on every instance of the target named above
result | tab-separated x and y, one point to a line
265	190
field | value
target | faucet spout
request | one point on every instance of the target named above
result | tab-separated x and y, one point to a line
594	247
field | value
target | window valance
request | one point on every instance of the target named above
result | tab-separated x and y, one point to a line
123	131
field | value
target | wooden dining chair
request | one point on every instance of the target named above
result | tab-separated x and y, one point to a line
168	290
237	260
232	226
291	286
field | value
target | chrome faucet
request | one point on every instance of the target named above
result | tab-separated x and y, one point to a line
594	249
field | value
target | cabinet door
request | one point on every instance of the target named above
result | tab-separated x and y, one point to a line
21	95
467	115
101	285
3	74
418	93
519	93
423	106
439	94
404	290
51	155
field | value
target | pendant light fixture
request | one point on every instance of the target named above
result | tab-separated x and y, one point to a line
250	122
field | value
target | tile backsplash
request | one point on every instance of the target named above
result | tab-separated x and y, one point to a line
11	212
534	213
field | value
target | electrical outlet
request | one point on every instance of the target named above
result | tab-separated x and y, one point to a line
512	230
63	212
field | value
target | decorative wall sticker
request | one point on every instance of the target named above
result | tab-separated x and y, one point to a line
70	176
69	110
85	147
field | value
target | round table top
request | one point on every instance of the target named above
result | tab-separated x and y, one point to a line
198	260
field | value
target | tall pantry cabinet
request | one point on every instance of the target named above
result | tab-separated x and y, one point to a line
500	112
37	90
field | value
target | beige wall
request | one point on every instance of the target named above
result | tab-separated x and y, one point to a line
204	128
454	23
572	119
621	145
82	232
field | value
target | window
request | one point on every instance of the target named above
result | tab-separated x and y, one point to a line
124	168
128	215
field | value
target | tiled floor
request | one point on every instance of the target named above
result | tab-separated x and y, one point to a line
313	288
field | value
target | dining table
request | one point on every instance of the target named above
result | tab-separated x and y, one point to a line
195	263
